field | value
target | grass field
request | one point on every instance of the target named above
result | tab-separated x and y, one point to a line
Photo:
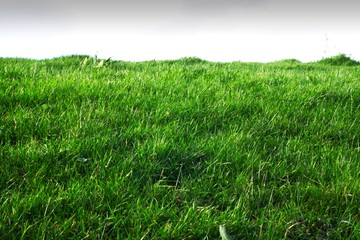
174	149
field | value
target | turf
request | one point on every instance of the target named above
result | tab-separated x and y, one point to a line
96	149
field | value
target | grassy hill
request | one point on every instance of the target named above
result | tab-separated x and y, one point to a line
94	149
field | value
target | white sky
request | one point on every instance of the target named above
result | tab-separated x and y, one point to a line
215	30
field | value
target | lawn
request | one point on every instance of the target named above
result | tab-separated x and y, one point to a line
94	149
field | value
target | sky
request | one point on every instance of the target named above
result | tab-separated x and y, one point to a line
214	30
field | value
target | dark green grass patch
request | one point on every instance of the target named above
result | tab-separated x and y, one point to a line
340	60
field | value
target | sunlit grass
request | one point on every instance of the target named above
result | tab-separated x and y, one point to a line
94	149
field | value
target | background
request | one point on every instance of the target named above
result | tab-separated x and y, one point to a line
215	30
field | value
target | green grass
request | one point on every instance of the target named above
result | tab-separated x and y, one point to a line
174	149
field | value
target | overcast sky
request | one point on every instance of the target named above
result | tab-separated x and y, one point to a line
216	30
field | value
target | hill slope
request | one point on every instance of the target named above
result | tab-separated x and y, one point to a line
96	149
